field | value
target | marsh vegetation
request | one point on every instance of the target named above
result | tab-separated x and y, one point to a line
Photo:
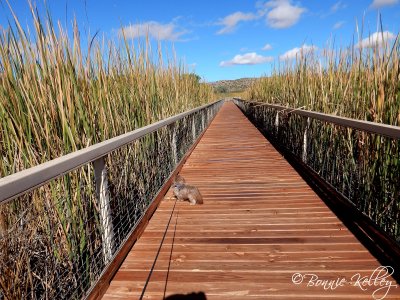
56	97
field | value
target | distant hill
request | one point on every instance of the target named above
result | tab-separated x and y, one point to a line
230	86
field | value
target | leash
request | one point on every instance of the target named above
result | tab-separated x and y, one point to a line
170	255
158	252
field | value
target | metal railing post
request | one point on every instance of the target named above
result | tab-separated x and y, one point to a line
304	156
194	129
277	122
100	173
174	148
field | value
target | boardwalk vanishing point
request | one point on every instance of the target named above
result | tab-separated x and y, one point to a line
262	232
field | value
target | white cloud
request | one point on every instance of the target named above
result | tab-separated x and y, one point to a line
293	53
282	14
376	39
338	6
267	47
153	29
278	14
251	58
338	24
230	22
381	3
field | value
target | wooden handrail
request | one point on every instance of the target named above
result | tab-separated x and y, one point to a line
22	182
372	127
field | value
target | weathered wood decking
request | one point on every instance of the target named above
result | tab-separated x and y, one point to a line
260	224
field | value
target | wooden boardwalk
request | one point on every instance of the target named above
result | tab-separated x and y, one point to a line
260	224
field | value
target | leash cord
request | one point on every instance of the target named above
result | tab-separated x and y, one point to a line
158	252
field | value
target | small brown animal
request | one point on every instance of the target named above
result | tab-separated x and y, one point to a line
183	191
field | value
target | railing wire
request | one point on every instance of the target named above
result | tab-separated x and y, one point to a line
56	240
362	165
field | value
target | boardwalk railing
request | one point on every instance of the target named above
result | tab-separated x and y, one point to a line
63	222
360	159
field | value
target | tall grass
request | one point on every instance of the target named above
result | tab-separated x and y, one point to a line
357	82
57	97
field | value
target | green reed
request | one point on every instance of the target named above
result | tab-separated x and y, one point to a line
360	83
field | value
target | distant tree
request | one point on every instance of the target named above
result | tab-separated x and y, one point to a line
221	89
193	76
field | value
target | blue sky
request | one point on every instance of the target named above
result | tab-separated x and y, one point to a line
224	39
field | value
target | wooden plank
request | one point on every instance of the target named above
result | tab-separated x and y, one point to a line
250	234
221	285
254	257
281	248
260	223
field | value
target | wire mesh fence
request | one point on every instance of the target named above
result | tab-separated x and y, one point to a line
56	240
364	166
